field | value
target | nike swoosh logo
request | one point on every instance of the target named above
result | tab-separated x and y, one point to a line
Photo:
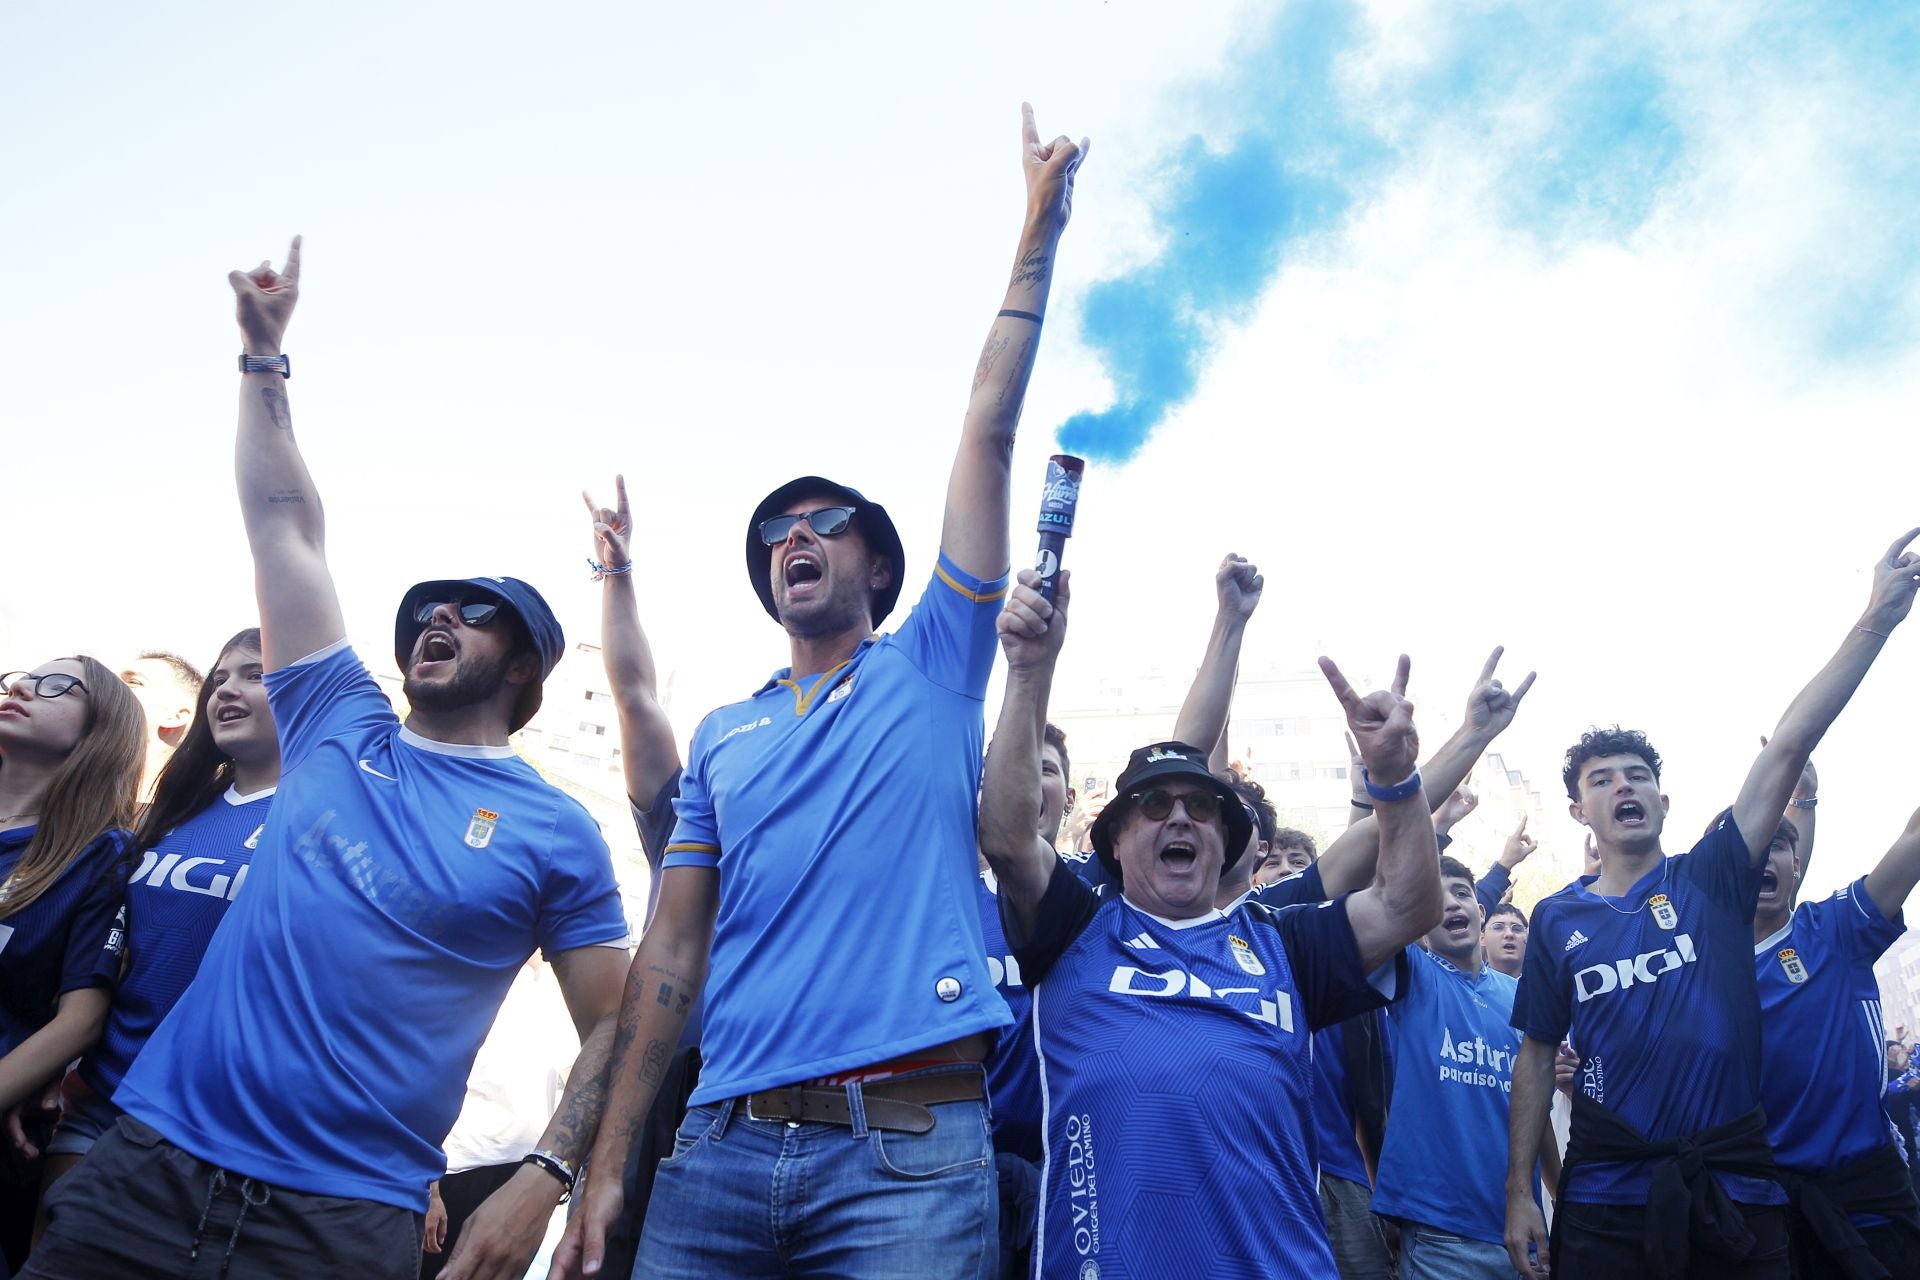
376	773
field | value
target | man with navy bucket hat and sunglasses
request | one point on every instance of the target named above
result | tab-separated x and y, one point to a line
840	1124
287	1117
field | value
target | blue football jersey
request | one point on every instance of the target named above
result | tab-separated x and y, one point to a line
1013	1075
1176	1076
1825	1058
70	937
176	898
1444	1161
1657	990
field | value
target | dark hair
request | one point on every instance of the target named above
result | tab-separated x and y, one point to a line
1507	909
1051	736
1454	869
1597	744
1294	838
1254	796
185	671
198	770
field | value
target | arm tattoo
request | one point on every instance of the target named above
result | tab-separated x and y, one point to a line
277	407
654	1069
996	344
1022	369
1031	269
281	496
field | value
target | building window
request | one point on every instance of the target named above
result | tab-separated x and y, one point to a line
594	730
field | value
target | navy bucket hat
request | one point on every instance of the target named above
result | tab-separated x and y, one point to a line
869	517
549	642
1157	763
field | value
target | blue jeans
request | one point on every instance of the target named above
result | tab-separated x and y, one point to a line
766	1198
1427	1253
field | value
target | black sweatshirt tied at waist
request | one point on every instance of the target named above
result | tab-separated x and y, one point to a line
1877	1183
1685	1204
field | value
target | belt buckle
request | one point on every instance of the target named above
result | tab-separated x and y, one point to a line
754	1115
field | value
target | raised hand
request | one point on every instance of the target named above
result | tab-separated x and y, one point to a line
1520	846
1456	806
1050	168
1238	584
1490	706
1031	630
1895	580
264	301
611	527
1382	724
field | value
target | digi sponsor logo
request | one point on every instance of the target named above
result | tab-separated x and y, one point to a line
1129	981
1083	1188
190	875
1475	1062
1005	972
1643	970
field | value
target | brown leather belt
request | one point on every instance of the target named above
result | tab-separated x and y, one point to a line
900	1103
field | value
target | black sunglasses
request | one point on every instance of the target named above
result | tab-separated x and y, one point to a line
51	685
1157	804
826	522
476	614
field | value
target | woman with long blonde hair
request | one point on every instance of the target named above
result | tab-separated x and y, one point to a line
72	739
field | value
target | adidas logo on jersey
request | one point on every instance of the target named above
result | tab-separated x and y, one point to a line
1144	942
1578	939
1645	969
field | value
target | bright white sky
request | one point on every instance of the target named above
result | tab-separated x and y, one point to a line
717	246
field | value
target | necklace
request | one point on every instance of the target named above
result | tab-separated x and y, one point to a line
1666	864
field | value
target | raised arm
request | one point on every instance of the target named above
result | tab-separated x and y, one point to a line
1404	900
504	1233
665	978
1203	716
1526	1125
974	534
648	754
1898	870
299	610
1347	864
1775	773
1031	633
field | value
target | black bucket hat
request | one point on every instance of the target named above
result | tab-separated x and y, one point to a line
519	597
1157	763
875	525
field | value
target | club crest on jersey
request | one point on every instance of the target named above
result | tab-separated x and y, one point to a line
1243	955
253	841
1794	967
1663	913
844	688
480	830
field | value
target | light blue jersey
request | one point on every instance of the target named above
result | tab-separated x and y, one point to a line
1825	1057
839	809
1444	1161
397	889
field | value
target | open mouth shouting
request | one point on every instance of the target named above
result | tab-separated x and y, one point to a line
1630	814
804	573
1179	855
1459	924
435	649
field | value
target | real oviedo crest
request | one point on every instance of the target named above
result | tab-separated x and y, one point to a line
1794	967
1244	955
480	830
1663	913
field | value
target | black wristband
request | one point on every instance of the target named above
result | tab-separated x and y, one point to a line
1361	804
554	1165
1022	315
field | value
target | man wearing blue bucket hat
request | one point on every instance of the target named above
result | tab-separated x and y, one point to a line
840	1123
288	1115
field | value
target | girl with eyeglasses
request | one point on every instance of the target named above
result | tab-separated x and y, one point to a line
197	838
72	739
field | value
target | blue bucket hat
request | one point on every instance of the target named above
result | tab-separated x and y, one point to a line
869	517
1157	763
525	603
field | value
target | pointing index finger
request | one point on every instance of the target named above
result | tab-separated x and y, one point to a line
292	270
620	490
1493	661
1900	544
1029	133
1400	673
1341	689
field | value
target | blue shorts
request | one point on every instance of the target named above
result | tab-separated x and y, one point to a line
88	1116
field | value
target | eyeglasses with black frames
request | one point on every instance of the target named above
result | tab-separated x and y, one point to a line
51	685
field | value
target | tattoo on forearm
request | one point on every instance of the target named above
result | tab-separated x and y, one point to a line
277	407
1032	268
1016	383
996	344
281	496
654	1068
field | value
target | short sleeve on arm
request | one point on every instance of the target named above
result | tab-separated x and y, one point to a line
580	899
1067	908
950	637
1723	867
1325	959
1302	888
1542	1008
322	696
696	833
97	936
1489	887
655	823
1862	930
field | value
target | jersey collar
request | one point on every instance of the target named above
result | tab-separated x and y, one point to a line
234	796
464	750
1192	922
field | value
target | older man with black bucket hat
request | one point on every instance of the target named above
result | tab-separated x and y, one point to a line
286	1118
840	1124
1174	1037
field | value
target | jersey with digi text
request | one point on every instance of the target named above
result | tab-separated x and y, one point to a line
399	886
1013	1074
1825	1045
176	898
1176	1069
68	938
1657	989
1444	1161
839	809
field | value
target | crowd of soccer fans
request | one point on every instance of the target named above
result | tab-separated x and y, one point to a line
255	928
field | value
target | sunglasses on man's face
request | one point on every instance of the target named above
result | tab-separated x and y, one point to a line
826	522
1157	804
477	614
